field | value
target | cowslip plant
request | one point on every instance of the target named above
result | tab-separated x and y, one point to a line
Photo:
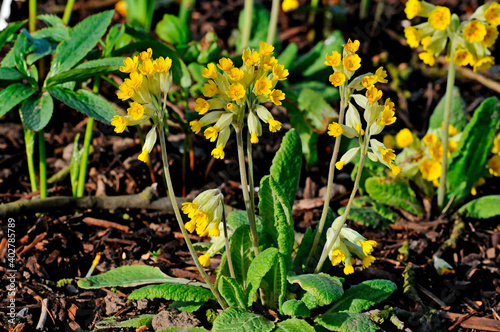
470	41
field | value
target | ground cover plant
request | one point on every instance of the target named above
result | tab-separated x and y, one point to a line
234	155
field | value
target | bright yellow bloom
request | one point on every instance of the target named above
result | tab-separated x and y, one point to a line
463	57
492	14
218	152
236	74
439	18
210	71
373	94
426	42
279	72
121	8
145	55
339	165
268	62
352	62
125	92
265	49
367	261
494	165
120	123
333	59
490	37
387	117
404	138
195	126
263	86
474	32
211	133
412	36
380	75
431	169
427	58
146	68
254	139
351	46
337	78
214	231
289	5
452	146
496	145
135	81
210	89
277	96
412	8
484	63
236	91
348	269
190	208
436	151
274	125
389	141
395	169
368	246
250	58
225	64
144	156
229	106
452	131
429	139
337	257
162	65
130	65
204	260
334	129
201	106
136	111
387	155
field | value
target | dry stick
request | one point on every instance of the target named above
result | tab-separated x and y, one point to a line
43	316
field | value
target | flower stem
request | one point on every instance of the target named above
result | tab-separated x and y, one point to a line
246	196
170	192
42	164
273	22
67	11
32	16
247	24
226	238
346	213
446	122
29	141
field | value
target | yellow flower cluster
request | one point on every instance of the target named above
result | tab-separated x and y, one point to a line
205	212
472	38
349	242
289	5
231	90
494	162
148	80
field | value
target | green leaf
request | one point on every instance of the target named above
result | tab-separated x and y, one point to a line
275	284
9	31
20	49
135	322
10	74
184	329
266	207
310	301
13	95
74	165
395	192
294	325
325	288
187	306
232	292
347	322
86	70
295	308
52	20
80	42
37	111
55	34
86	102
482	208
172	30
283	221
362	296
237	320
287	57
317	68
258	269
305	60
237	218
458	112
472	152
259	26
114	34
176	292
131	276
316	109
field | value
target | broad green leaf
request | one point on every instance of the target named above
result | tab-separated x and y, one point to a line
287	57
86	70
9	32
395	192
304	249
347	322
136	322
472	152
188	306
20	49
13	95
80	42
259	26
368	212
295	308
10	74
327	91
458	112
176	292
310	301
236	219
184	329
304	61
317	68
258	269
275	284
55	34
316	109
362	296
323	287
86	102
114	34
37	111
294	325
131	276
482	208
52	20
266	207
308	137
237	320
172	30
232	292
283	221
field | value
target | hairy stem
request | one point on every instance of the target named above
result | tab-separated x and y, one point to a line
226	239
42	164
67	11
29	141
273	22
32	16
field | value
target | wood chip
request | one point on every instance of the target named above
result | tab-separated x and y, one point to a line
105	224
476	323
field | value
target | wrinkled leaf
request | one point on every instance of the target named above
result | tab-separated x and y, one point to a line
135	322
187	306
237	320
176	292
232	292
184	329
295	308
347	322
294	325
258	269
325	288
482	208
316	109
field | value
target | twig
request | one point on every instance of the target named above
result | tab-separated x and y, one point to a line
434	297
43	315
37	239
105	224
461	319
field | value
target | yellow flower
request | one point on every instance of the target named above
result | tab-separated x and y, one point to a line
120	123
494	165
274	125
412	8
145	55
211	133
162	65
204	260
339	165
236	91
236	74
337	79
426	42
380	75
395	169
144	156
368	246
135	81
429	139
427	58
479	182
348	269
351	46
125	92
202	106
265	49
225	64
352	62
210	71
333	59
195	126
277	96
214	231
250	58
496	145
268	62
483	63
218	152
387	117
147	68
452	131
367	261
439	18
412	36
430	169
373	94
289	5
387	155
474	32
254	139
130	65
404	138
121	8
463	57
389	141
263	86
190	208
136	111
279	72
492	14
436	151
210	89
490	37
368	81
334	129
337	257
452	146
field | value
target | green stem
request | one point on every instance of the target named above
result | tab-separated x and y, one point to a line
344	216
246	195
329	188
250	175
226	239
29	141
446	122
32	16
273	22
43	165
67	11
185	10
171	194
312	12
247	24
